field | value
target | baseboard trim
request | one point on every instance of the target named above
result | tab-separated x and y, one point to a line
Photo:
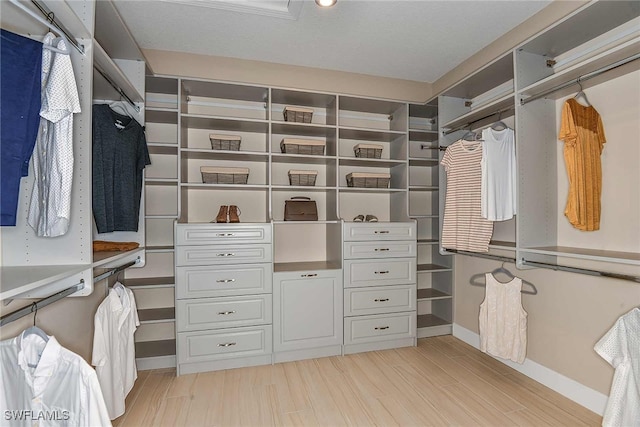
158	362
571	389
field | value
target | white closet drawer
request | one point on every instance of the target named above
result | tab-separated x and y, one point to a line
227	254
391	249
223	280
399	271
227	312
354	231
381	299
215	234
221	344
381	327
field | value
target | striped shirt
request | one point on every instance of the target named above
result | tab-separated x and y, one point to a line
463	226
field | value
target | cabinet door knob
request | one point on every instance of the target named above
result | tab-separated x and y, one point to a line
225	280
225	254
225	234
381	299
381	231
382	272
225	313
382	249
309	275
227	344
381	328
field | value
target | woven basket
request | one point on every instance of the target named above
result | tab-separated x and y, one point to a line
225	142
302	146
303	178
368	180
224	175
368	151
298	114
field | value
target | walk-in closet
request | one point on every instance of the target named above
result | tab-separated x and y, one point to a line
302	222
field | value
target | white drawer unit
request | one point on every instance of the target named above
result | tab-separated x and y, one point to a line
379	327
380	299
228	312
216	234
222	254
206	346
223	280
385	249
379	231
398	271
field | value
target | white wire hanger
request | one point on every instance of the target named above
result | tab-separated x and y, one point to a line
581	93
43	21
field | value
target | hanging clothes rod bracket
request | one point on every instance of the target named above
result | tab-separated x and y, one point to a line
115	270
25	311
117	88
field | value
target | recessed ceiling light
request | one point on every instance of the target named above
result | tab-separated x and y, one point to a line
326	3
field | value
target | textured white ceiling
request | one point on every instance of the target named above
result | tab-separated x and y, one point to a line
415	40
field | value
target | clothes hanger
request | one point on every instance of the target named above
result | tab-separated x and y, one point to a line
499	124
581	93
34	330
121	108
479	279
48	22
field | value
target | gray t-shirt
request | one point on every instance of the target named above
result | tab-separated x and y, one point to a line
120	155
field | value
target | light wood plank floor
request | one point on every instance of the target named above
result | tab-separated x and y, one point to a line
441	382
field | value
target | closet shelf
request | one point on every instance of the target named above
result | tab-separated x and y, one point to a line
502	244
302	129
31	281
371	190
364	134
281	267
162	148
157	315
623	51
502	103
199	121
430	320
415	161
174	216
102	90
423	135
432	268
208	154
301	188
161	115
302	158
428	241
423	131
328	221
424	216
114	34
423	188
155	282
201	186
160	249
161	181
631	258
431	294
363	162
115	258
155	348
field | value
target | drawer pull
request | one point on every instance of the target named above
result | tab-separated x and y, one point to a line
381	299
381	231
225	313
309	275
225	280
381	328
227	344
382	249
225	234
382	272
225	254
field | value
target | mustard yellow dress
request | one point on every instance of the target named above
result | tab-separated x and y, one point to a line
583	135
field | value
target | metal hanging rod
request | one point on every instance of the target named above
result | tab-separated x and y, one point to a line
555	267
117	88
50	17
115	270
432	147
581	78
466	125
25	311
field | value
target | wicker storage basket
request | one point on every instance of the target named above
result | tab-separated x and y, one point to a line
224	175
368	180
301	177
302	146
225	142
368	151
298	114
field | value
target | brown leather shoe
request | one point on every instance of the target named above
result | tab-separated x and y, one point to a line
234	213
223	214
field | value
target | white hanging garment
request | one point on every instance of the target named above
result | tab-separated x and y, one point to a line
44	384
498	174
503	321
114	357
620	347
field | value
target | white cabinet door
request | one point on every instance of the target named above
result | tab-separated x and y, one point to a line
307	310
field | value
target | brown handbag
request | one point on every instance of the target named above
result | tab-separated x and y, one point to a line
300	209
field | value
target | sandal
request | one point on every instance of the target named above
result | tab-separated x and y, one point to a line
358	218
371	218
